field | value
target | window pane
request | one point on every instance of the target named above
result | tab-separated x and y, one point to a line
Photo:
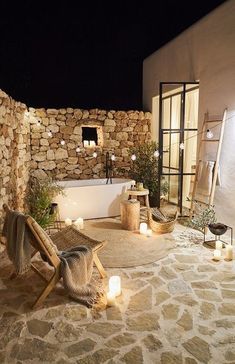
166	112
191	109
173	189
190	151
175	112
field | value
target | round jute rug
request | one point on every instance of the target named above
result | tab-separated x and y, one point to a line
126	248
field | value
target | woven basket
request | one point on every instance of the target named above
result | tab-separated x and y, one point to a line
163	227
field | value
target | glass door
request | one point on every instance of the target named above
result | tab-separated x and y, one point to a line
178	140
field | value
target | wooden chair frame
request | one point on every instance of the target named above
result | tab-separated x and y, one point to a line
41	245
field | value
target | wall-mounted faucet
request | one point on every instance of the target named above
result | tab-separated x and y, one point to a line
109	167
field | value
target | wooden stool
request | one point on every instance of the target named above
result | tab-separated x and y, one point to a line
130	214
133	194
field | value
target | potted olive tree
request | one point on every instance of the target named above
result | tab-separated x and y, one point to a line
145	169
39	199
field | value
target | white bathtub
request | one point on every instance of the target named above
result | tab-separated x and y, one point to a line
91	198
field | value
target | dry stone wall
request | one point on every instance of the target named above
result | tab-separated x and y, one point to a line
117	131
14	152
30	144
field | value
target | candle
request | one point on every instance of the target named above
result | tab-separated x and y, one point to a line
143	228
86	143
68	221
218	245
217	254
111	298
229	252
115	285
140	186
149	232
79	223
92	143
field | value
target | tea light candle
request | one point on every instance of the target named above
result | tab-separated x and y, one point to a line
111	298
218	245
149	232
68	221
229	252
143	228
79	223
86	143
115	285
217	254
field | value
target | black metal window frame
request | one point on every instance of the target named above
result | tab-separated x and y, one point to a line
181	132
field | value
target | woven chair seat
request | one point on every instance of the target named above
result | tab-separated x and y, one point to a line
70	237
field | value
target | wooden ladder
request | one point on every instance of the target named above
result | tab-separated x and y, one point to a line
209	121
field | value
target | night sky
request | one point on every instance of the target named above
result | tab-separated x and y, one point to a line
89	55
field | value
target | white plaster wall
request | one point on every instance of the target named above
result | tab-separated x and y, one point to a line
204	52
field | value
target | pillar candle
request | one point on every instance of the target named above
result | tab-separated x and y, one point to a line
79	223
86	143
217	254
229	252
92	143
68	221
143	228
111	298
149	232
218	245
115	285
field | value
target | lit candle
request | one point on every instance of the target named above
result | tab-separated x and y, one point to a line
115	285
86	143
143	228
217	254
68	221
229	252
92	143
111	298
140	186
79	223
149	232
218	245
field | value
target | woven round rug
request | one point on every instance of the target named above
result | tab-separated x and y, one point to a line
126	248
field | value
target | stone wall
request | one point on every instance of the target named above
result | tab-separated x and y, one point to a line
14	152
26	147
117	132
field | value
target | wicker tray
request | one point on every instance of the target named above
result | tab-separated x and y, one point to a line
163	227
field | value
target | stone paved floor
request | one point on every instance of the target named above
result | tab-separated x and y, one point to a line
180	310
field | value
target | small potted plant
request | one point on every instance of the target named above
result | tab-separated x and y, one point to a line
144	169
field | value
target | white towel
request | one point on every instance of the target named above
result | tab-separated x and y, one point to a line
205	177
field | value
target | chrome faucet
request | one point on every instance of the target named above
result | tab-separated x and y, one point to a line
108	168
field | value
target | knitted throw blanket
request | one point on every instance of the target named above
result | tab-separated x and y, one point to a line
76	271
18	244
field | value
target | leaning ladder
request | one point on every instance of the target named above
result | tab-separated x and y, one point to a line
218	140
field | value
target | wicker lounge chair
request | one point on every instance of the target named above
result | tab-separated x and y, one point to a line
66	238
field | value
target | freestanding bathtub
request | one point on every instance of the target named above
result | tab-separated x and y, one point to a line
91	198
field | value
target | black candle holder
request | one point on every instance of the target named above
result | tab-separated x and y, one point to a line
217	229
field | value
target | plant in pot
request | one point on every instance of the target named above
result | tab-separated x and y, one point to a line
39	200
144	169
203	217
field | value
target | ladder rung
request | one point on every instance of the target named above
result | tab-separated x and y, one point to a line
210	140
204	203
214	121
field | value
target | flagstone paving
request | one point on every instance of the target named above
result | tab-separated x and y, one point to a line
179	310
